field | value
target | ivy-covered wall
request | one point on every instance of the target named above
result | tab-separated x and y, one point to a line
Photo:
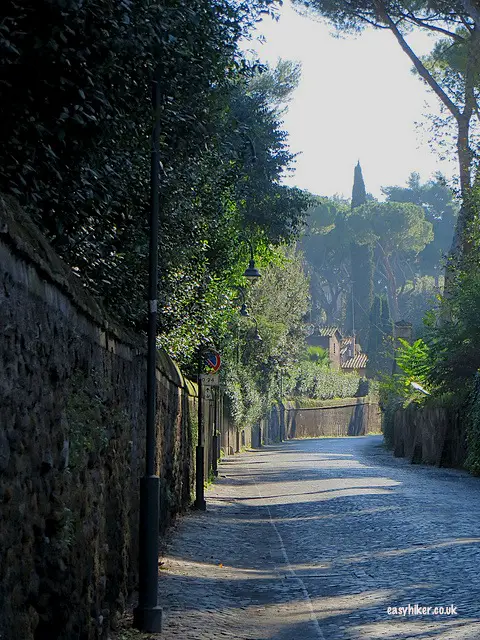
72	422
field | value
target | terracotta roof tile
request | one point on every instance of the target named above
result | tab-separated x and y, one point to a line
328	330
358	362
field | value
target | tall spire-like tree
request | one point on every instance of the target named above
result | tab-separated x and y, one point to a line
359	193
362	269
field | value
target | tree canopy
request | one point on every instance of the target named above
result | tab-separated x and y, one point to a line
441	210
458	23
344	244
78	159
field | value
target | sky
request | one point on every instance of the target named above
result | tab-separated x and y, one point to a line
357	100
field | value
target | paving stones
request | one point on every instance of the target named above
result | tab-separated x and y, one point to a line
318	541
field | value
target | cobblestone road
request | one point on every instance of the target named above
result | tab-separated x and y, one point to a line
315	539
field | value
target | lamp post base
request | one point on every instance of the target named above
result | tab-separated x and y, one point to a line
148	619
148	615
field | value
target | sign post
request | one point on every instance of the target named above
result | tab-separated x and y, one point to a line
213	362
200	503
210	379
211	382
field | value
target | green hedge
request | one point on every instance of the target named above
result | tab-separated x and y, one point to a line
310	381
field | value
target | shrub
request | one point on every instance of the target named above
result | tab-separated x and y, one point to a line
311	381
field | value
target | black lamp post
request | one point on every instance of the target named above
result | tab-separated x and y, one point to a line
200	503
148	615
244	308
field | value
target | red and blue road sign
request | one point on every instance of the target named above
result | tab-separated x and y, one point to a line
213	361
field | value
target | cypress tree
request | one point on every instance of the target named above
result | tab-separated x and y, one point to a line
359	193
361	269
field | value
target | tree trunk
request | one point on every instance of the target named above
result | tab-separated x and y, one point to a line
391	287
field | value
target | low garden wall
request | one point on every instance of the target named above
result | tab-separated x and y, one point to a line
332	418
345	417
430	435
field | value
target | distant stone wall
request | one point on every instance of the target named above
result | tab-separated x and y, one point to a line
271	428
345	417
72	416
429	435
232	438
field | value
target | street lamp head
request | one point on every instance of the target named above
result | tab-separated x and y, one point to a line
251	272
244	310
257	337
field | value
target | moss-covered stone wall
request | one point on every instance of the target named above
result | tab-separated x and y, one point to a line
72	434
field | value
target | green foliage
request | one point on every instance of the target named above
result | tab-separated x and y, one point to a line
395	226
376	246
326	245
309	381
362	289
417	298
454	66
453	335
78	158
375	336
451	72
246	406
91	418
396	391
276	83
253	370
415	360
395	230
359	193
441	210
380	347
472	462
318	356
415	363
393	394
445	362
380	338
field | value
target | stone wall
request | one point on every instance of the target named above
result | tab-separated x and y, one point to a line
232	439
72	433
430	435
332	418
345	417
272	428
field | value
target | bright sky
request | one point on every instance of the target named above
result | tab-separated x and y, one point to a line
357	100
